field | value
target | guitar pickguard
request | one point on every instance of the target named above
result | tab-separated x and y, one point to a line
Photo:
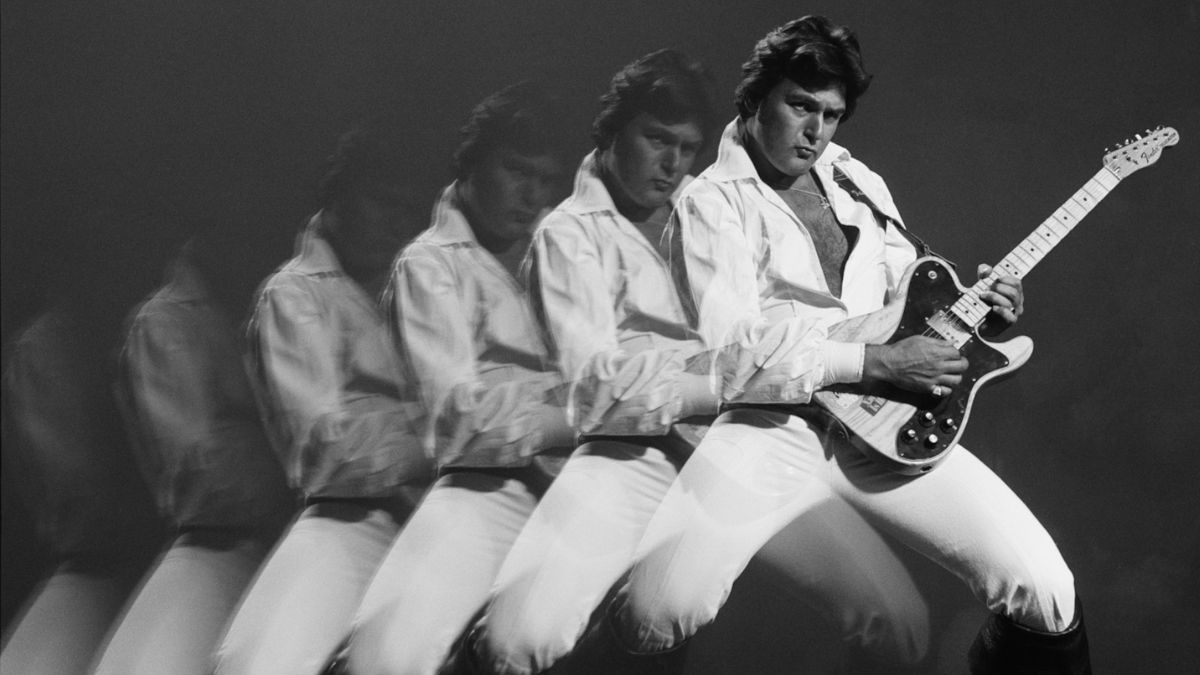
936	423
913	431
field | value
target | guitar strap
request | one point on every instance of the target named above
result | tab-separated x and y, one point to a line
843	180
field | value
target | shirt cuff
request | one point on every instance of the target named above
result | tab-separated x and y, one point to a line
843	362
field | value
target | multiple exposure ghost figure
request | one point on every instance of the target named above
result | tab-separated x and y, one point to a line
496	427
526	436
341	412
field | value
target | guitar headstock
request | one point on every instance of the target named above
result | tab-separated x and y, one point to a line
1140	152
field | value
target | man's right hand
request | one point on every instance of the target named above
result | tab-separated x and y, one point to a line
916	363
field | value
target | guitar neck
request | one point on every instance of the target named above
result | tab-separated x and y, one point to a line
1022	259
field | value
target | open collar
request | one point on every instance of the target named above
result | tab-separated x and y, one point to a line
314	255
591	195
450	225
733	162
184	282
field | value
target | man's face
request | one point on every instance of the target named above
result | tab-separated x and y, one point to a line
506	192
793	124
648	158
377	222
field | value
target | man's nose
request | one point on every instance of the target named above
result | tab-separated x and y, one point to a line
813	126
670	159
535	192
526	190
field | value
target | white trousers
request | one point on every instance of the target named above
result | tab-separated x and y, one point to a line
64	624
437	575
178	615
299	607
757	470
585	533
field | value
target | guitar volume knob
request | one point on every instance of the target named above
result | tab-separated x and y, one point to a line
931	441
925	419
948	425
909	436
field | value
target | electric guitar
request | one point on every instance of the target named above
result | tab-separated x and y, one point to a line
911	432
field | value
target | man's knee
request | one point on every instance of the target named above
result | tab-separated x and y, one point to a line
528	644
1039	596
656	622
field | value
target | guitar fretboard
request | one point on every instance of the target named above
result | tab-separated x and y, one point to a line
971	310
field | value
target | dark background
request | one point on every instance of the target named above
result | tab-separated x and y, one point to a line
127	125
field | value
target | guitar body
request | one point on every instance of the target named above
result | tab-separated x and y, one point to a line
911	432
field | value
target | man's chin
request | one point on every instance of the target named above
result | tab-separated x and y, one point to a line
515	230
802	166
654	200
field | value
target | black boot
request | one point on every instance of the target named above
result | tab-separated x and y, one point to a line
1005	648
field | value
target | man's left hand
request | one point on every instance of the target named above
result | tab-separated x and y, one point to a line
1006	296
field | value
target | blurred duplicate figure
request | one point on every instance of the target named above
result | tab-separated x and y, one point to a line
636	369
339	408
783	236
67	460
206	458
496	420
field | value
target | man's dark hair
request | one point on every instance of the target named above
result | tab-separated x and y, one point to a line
369	157
524	117
665	84
811	51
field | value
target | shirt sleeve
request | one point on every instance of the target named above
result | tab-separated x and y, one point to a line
334	442
757	358
201	442
478	416
612	391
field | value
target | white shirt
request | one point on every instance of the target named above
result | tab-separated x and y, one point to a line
66	453
760	294
613	314
466	328
341	411
201	442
